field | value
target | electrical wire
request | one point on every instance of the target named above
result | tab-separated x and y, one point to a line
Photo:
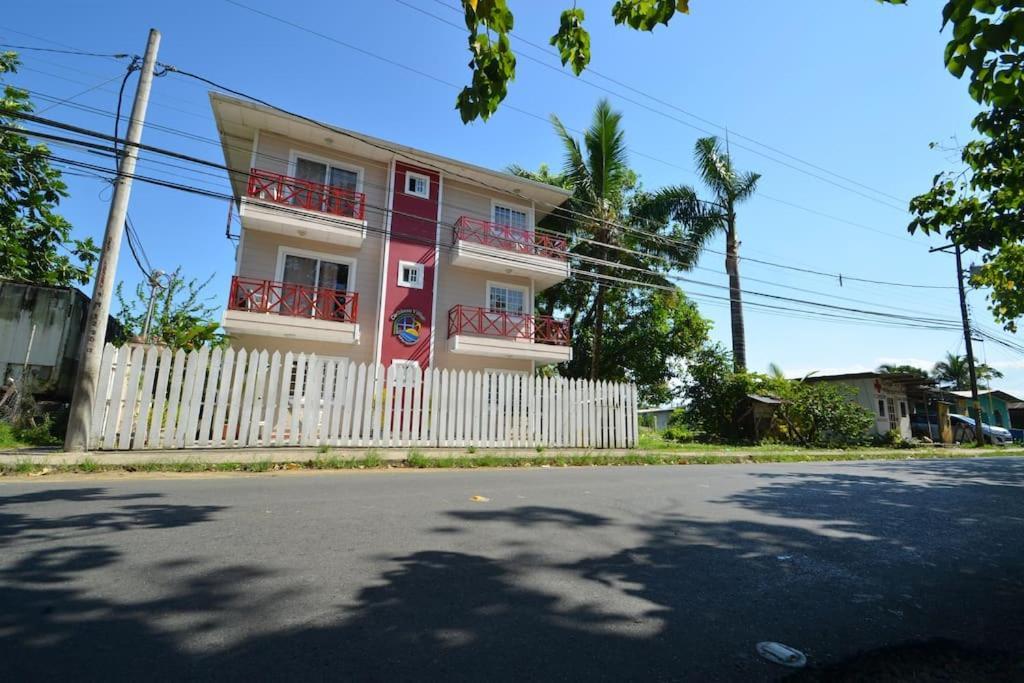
760	194
578	256
549	51
836	312
118	55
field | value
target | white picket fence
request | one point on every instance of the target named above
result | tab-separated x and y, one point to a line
151	398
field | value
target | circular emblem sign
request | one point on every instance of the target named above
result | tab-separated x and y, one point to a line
407	325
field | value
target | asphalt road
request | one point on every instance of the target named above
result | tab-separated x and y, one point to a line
658	573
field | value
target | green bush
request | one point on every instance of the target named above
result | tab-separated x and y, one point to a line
678	428
825	415
814	414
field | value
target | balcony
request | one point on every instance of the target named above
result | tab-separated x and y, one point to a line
497	248
283	309
484	332
301	208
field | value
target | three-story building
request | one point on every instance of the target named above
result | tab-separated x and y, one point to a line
359	248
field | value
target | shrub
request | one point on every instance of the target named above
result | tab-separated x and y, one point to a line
811	413
825	415
678	428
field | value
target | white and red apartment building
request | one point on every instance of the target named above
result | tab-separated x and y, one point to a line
358	248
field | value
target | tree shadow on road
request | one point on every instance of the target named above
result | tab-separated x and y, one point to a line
830	562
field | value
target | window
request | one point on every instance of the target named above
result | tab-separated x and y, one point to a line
315	272
311	282
410	274
407	372
513	218
903	409
506	299
417	184
347	179
881	407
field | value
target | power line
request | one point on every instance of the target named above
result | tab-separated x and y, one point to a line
119	55
611	264
834	311
436	79
196	160
760	194
548	50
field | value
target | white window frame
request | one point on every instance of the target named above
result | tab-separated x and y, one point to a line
412	265
526	290
282	252
419	176
294	154
522	208
400	376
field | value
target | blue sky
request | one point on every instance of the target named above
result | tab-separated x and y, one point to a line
850	86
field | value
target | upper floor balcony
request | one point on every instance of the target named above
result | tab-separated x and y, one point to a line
284	309
487	332
302	208
498	248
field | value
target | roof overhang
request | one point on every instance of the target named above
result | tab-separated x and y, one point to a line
239	119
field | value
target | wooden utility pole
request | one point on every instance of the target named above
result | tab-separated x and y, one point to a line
979	434
77	437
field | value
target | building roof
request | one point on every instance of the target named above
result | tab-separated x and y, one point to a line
894	377
770	400
998	393
238	120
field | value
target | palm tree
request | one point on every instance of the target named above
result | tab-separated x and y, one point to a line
902	369
729	188
610	224
953	372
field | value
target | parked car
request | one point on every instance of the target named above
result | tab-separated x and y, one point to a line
963	429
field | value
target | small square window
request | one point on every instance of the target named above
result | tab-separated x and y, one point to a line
417	184
410	274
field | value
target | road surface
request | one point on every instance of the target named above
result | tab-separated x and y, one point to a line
659	573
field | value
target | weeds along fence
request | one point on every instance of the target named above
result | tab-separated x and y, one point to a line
149	397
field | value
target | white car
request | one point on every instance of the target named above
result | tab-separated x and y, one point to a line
964	425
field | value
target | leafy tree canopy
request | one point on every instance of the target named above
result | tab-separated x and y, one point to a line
31	232
895	369
980	206
952	372
490	22
624	307
182	316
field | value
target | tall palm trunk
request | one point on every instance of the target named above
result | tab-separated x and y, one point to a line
732	267
595	354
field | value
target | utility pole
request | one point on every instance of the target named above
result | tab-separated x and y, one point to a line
80	418
979	434
154	284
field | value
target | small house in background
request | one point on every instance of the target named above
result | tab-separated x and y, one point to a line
656	418
41	332
995	406
888	396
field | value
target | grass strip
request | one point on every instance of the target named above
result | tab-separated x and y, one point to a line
417	460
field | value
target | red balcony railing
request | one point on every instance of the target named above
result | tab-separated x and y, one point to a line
304	194
285	298
542	329
524	241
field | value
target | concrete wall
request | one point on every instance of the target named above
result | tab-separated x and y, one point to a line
58	315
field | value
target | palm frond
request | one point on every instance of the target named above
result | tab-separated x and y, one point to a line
713	166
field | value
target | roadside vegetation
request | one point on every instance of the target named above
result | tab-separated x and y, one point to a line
654	452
